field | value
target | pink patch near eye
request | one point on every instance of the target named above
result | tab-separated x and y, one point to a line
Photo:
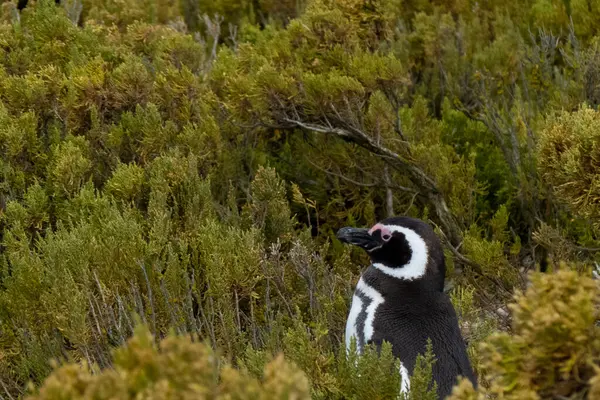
386	233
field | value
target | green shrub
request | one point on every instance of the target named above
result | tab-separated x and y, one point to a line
568	149
554	345
160	161
175	368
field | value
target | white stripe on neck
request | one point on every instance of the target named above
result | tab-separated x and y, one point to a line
376	301
351	329
417	265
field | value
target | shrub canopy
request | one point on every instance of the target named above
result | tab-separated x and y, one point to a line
182	166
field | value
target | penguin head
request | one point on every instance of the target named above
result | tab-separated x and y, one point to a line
401	247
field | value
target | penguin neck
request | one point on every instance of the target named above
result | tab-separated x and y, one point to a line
419	289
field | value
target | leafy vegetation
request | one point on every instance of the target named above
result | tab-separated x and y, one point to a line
172	174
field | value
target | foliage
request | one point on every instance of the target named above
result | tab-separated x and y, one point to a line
568	152
188	163
176	368
554	346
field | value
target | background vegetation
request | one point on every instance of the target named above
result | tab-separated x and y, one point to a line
179	168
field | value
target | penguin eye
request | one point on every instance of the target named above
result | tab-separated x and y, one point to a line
386	237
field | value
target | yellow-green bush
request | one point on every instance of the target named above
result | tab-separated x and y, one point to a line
568	153
192	171
175	368
553	348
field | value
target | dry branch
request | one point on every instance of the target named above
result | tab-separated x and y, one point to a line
424	184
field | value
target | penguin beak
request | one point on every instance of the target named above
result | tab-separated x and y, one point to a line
359	237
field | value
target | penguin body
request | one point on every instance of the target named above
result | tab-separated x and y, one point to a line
400	299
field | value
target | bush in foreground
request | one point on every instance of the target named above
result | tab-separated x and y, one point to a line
554	349
176	368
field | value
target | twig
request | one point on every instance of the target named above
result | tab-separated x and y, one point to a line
389	195
6	391
191	284
233	31
412	201
123	313
237	310
170	306
587	249
364	184
214	30
109	310
478	269
150	299
95	317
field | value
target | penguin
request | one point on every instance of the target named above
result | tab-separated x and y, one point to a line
400	299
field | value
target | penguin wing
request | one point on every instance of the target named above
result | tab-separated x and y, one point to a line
464	365
455	348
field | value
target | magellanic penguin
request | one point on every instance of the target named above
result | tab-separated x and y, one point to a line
400	299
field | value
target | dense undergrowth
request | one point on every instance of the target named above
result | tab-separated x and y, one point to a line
177	170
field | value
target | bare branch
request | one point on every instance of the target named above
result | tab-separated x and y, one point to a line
233	31
318	128
389	195
412	201
364	184
9	396
426	186
73	9
213	28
